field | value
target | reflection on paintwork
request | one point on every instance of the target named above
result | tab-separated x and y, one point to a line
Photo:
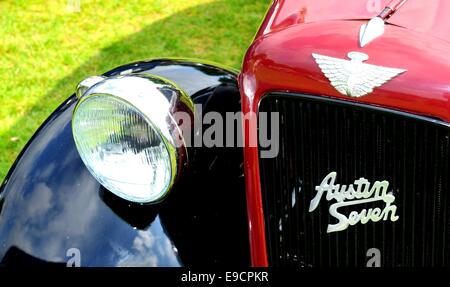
45	218
148	248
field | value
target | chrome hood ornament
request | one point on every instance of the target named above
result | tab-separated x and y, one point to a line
354	78
371	31
375	27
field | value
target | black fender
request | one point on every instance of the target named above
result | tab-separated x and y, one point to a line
52	211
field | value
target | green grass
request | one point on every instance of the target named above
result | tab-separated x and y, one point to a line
46	49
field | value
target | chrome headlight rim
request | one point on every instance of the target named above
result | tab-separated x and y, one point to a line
140	91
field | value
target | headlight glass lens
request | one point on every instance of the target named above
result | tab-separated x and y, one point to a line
121	148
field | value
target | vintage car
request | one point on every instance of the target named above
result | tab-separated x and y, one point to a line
359	92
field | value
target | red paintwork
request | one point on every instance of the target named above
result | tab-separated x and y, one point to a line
429	17
280	60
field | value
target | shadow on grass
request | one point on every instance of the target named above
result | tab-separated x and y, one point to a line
220	31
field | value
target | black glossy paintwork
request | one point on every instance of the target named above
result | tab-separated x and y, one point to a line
50	203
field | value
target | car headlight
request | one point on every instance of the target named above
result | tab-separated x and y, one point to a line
126	134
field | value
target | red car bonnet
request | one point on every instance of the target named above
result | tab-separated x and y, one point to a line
428	17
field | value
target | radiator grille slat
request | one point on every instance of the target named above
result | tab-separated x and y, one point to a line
319	136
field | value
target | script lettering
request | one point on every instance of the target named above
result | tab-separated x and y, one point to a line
360	192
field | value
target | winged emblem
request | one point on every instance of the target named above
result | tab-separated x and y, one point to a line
353	77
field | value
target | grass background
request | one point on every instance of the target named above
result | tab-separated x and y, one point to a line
47	47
